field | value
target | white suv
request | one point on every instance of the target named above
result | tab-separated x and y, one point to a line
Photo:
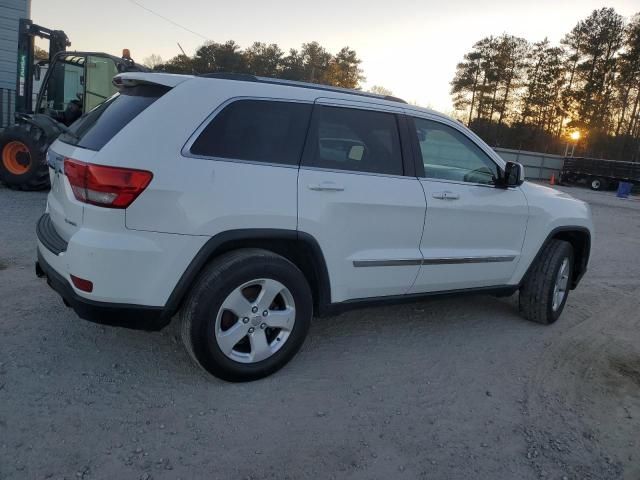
246	205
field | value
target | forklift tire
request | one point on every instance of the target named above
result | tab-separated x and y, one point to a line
23	164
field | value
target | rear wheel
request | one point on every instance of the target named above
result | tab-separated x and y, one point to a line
22	158
247	315
545	289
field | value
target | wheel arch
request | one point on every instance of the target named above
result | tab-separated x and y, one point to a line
298	247
580	239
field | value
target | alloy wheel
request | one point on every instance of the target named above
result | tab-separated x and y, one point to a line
255	320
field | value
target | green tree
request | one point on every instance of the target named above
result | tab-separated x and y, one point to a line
531	95
152	61
465	84
602	34
628	82
293	66
511	60
380	90
344	69
572	45
220	57
313	63
545	80
179	64
316	62
40	54
628	90
264	60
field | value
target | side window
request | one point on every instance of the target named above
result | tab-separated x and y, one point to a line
65	85
449	155
257	130
357	140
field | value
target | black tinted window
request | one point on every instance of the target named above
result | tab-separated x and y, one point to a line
351	139
94	129
259	130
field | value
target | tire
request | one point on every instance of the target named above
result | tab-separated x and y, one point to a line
23	163
538	301
249	272
596	184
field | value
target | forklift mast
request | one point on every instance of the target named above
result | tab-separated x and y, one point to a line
58	42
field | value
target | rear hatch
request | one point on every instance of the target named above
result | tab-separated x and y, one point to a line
65	211
81	143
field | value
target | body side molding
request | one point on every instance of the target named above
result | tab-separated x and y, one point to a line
432	261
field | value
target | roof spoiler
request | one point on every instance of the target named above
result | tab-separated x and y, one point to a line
132	79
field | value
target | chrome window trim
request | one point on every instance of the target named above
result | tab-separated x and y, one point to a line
356	172
433	261
358	105
460	182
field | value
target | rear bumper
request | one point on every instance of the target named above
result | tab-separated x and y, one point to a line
118	314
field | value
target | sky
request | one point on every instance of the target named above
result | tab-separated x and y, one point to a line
408	46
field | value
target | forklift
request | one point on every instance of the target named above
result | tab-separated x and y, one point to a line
74	83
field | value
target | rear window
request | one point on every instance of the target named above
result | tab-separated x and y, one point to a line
94	129
256	130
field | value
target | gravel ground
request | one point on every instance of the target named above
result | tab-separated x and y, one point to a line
452	388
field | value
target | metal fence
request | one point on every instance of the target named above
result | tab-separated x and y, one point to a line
7	107
537	166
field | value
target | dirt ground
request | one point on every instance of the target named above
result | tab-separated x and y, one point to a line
455	388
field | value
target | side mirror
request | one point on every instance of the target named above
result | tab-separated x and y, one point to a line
37	73
513	174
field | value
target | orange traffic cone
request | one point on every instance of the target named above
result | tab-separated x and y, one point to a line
552	180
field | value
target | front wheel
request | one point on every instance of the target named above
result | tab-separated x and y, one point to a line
596	184
247	315
544	291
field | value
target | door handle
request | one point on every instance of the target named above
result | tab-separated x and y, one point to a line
447	195
326	187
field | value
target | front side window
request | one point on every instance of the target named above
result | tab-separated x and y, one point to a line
449	155
256	130
356	140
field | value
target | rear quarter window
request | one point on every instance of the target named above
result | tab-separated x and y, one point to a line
97	127
256	130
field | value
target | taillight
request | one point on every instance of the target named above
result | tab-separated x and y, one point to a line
111	187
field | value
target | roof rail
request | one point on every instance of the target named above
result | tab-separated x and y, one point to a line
247	77
244	77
